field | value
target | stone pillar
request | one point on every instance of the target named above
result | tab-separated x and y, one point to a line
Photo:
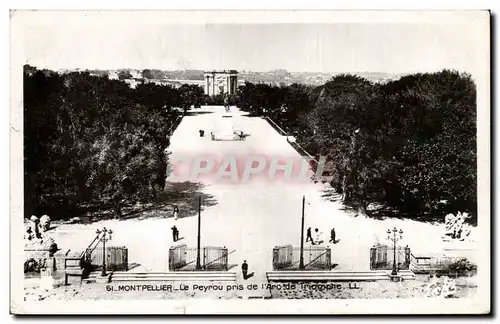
231	85
213	84
207	84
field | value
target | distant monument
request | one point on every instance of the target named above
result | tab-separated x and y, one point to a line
221	82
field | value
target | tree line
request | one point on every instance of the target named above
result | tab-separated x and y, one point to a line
404	148
90	141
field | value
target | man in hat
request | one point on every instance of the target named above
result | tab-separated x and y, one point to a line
175	233
244	269
309	236
332	236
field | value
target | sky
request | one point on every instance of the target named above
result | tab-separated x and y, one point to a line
388	47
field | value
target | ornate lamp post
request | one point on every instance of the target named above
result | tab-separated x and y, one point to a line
198	245
301	260
393	235
105	236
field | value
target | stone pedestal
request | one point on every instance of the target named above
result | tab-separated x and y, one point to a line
395	278
47	281
103	279
59	257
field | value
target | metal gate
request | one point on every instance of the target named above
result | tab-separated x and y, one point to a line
287	257
116	258
382	257
214	258
182	258
282	257
177	257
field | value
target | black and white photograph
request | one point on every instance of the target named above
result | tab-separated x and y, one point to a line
250	162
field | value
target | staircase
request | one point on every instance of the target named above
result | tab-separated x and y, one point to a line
121	276
77	265
336	275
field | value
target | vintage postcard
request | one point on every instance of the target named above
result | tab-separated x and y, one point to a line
250	162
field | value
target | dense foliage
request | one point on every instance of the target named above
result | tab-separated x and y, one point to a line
408	145
90	141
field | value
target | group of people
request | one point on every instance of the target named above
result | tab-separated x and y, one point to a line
318	237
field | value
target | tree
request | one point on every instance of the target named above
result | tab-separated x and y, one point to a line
89	140
189	95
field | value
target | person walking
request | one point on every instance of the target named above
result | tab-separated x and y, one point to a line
176	213
332	236
318	236
244	269
309	236
175	233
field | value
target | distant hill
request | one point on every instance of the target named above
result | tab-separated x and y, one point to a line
314	78
184	75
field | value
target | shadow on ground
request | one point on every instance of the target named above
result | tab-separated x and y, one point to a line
184	195
248	276
379	212
132	266
195	113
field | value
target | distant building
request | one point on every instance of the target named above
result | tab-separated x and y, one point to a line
220	82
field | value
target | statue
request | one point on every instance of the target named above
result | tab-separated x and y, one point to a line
36	241
456	228
44	223
35	229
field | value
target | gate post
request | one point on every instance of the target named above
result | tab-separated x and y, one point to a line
225	258
204	257
275	258
329	258
170	259
407	258
373	257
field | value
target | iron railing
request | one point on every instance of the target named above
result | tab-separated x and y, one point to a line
431	263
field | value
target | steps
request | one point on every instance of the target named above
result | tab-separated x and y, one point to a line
120	276
335	275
